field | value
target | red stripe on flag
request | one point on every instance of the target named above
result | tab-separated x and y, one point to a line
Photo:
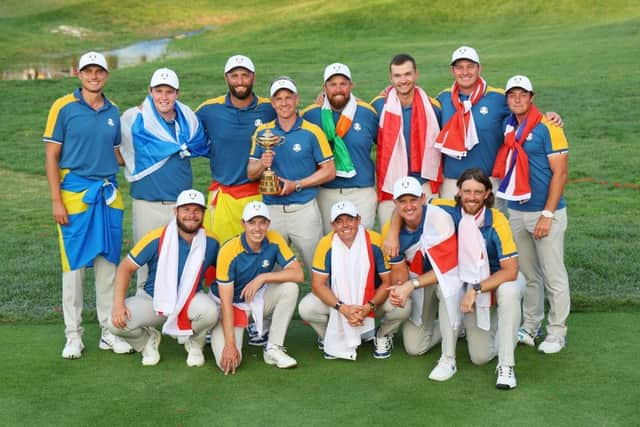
445	254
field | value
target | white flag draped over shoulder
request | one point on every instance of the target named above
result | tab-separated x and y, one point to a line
440	244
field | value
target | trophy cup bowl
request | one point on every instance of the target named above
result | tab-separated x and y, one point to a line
269	182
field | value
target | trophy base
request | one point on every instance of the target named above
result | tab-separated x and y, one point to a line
270	186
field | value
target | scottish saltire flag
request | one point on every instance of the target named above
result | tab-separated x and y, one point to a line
148	141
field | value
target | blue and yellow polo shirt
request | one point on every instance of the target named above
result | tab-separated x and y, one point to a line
229	130
146	252
297	156
359	140
238	264
378	105
87	136
544	141
322	256
488	114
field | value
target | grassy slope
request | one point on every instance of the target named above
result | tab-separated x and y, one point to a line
590	383
579	58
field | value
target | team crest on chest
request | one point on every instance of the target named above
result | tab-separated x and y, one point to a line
529	137
484	110
357	127
258	122
265	263
110	122
297	148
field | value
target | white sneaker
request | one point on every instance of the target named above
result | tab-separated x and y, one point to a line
195	358
275	355
383	346
524	337
150	353
506	378
552	344
445	369
73	348
108	341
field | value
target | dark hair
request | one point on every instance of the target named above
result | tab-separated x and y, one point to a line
478	175
401	59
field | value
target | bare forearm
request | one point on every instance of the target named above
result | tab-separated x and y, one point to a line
325	173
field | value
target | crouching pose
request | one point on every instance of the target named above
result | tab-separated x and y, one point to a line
350	283
246	284
177	256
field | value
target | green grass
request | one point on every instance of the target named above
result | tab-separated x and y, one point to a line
590	383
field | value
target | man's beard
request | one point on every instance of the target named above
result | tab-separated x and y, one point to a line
186	228
243	96
339	105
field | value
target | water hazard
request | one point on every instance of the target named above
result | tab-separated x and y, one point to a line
55	67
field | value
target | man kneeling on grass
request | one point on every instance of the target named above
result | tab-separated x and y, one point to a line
350	282
489	289
177	256
246	284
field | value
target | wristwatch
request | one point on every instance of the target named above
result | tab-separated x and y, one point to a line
372	305
338	305
547	214
477	288
298	186
415	282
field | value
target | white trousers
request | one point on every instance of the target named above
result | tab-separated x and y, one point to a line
542	262
300	224
202	312
316	313
72	296
145	217
279	304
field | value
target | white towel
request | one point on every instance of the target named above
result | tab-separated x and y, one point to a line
473	262
170	297
349	272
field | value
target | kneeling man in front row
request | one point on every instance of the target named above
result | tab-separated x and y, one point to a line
177	256
246	284
350	282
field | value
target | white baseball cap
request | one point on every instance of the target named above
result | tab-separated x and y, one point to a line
239	61
93	58
343	207
465	52
191	197
165	76
522	82
407	185
254	209
336	68
283	83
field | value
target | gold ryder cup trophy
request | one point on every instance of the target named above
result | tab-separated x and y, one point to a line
269	182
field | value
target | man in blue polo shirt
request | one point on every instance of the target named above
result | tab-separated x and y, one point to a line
537	211
420	332
472	117
159	138
409	124
248	285
303	161
351	126
487	263
351	276
82	136
229	121
177	255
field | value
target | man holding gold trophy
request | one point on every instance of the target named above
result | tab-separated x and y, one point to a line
299	155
